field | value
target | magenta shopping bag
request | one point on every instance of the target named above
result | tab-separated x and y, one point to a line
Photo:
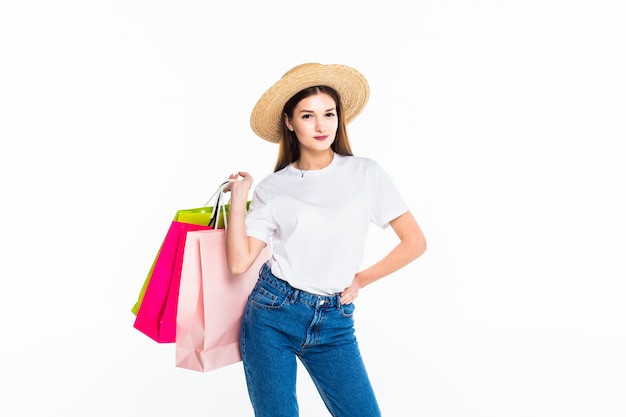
211	302
156	316
201	216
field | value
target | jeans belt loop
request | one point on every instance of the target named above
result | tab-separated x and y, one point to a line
294	296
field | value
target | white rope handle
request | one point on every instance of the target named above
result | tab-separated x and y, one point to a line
222	206
216	194
219	206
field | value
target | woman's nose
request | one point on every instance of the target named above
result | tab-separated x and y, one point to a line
320	126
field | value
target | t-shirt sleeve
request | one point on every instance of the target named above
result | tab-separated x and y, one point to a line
259	218
387	203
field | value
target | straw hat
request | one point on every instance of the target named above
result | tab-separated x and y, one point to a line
353	89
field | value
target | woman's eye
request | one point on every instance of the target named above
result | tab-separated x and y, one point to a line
330	114
306	116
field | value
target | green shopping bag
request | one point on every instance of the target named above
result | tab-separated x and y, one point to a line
198	216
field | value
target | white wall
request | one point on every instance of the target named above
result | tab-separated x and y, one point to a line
502	123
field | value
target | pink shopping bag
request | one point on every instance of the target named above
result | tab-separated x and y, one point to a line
156	316
211	302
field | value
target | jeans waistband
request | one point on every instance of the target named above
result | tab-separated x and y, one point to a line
295	294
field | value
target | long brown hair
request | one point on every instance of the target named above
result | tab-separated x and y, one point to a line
288	145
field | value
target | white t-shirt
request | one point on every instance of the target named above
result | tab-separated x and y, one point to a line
318	221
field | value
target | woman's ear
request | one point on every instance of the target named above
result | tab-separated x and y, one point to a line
287	122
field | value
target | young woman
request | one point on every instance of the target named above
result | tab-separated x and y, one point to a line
315	210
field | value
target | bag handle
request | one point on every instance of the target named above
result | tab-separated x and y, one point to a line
219	206
216	194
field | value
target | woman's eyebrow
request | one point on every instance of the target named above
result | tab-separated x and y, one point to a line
312	111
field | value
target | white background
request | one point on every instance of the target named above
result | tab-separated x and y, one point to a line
502	123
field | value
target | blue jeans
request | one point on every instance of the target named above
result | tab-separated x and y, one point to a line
280	324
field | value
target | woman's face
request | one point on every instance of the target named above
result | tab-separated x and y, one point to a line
315	122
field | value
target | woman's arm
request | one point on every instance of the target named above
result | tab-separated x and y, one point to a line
241	250
412	245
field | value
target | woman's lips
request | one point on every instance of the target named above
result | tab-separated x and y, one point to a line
320	137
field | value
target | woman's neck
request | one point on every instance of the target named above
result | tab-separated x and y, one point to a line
308	162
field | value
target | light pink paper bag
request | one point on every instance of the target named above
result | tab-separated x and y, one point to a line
211	302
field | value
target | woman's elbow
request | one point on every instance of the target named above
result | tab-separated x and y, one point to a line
240	258
418	245
237	267
421	246
235	261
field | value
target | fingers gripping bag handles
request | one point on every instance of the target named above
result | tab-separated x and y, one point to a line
211	301
157	306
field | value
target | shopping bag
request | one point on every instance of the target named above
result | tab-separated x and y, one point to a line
156	316
211	302
156	309
198	216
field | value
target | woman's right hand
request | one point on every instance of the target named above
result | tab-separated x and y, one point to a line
239	185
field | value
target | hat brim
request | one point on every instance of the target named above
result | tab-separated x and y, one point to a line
353	89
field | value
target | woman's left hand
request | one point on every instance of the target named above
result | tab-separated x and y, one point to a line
350	294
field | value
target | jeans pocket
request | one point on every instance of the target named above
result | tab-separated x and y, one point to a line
266	296
347	310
